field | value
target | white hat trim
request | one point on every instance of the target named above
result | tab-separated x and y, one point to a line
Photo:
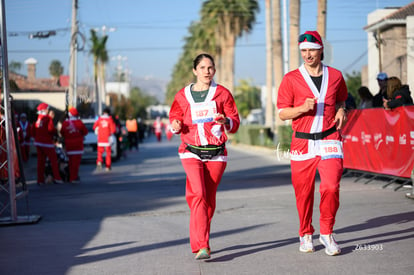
309	45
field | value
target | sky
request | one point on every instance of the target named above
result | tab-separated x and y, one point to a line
145	37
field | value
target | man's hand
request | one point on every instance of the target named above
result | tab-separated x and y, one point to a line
340	118
309	105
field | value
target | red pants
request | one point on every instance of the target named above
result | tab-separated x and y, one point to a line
158	135
108	160
50	153
74	164
203	179
303	180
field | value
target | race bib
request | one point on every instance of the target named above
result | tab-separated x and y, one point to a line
331	149
203	112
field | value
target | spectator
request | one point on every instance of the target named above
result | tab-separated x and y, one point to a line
27	134
398	94
141	130
366	98
132	128
105	128
44	133
377	100
350	103
73	131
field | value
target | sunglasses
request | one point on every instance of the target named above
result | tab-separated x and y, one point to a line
308	37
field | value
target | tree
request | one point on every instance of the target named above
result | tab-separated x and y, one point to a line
353	83
294	8
197	42
247	97
134	106
230	19
100	57
55	69
15	66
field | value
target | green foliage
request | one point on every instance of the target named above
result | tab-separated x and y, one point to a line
353	83
284	137
15	66
247	97
55	68
134	106
207	34
98	50
253	135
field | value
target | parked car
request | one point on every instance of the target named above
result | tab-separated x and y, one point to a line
90	143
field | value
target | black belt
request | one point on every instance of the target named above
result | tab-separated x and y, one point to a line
206	151
316	136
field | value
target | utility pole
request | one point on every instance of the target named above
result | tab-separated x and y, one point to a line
73	56
269	67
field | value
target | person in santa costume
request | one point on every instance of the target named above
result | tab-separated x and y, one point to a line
105	128
158	127
25	127
313	97
201	113
73	132
44	132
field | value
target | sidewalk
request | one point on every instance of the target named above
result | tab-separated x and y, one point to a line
134	220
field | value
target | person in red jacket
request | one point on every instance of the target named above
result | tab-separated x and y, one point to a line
313	97
202	112
44	132
104	127
158	127
26	131
73	131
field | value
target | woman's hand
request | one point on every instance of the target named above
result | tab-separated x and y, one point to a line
220	119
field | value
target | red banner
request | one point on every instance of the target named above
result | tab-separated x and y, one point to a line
380	141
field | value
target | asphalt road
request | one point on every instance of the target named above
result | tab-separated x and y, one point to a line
134	220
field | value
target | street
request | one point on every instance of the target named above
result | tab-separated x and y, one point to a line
134	220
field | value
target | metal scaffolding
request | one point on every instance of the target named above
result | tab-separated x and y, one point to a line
12	181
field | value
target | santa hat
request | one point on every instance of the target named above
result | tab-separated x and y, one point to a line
42	107
310	40
73	111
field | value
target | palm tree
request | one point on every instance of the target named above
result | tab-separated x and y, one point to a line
277	54
321	20
230	19
195	43
100	57
294	7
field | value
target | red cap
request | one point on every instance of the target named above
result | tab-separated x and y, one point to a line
42	106
73	111
314	36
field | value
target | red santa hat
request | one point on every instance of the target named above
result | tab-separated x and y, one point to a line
310	40
42	107
73	111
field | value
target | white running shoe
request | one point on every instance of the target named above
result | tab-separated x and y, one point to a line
331	247
306	244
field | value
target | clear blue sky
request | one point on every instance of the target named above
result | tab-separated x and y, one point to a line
150	34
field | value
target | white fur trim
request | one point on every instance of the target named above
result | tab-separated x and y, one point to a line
309	45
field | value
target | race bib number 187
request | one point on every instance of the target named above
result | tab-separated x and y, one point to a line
203	112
